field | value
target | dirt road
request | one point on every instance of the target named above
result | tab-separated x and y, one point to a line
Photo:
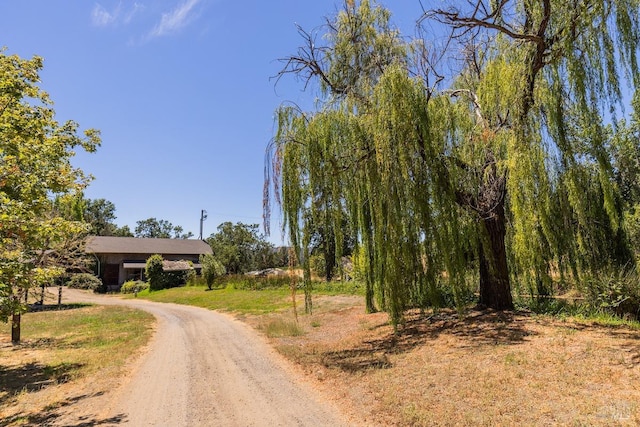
206	369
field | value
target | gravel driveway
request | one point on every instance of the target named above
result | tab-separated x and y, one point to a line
205	368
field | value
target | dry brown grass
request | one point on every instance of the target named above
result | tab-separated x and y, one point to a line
484	369
487	368
66	358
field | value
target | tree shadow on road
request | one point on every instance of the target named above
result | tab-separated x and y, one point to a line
52	414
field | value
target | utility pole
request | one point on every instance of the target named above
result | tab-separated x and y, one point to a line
203	217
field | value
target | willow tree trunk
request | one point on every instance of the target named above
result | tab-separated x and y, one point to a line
495	288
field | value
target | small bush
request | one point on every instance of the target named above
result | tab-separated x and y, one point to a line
173	279
211	268
133	286
160	279
616	292
153	271
85	281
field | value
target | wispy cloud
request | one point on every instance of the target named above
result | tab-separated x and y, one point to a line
175	20
128	17
101	17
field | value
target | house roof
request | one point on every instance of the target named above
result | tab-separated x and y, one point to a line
137	245
176	266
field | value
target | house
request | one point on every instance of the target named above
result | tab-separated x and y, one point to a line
119	259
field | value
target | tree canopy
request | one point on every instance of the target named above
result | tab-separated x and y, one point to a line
240	248
35	168
160	229
98	214
498	168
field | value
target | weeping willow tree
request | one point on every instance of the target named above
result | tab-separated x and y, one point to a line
502	167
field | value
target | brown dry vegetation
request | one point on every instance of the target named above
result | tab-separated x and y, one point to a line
66	358
483	369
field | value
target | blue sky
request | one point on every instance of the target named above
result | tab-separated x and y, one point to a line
180	90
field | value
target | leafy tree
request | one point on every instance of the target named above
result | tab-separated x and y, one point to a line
101	216
123	231
240	248
35	168
625	145
487	169
160	229
153	271
323	244
211	268
86	281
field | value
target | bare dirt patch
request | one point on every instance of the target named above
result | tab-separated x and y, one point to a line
487	368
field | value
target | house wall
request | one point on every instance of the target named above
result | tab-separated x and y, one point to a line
108	263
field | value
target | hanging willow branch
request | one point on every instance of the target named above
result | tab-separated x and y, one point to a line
503	175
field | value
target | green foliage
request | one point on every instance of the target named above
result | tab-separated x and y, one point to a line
160	279
318	264
211	268
160	229
616	292
134	286
240	248
85	281
35	169
172	279
351	287
632	224
506	173
100	214
190	275
153	272
123	231
257	283
196	280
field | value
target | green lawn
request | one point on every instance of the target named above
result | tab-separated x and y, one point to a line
243	301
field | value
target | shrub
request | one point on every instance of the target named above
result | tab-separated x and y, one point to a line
616	292
211	268
173	279
160	279
154	272
85	281
133	286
